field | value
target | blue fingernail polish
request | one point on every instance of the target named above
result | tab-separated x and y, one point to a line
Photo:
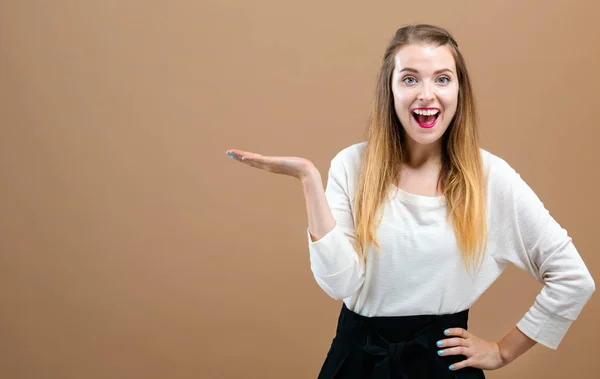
451	367
446	331
439	343
440	352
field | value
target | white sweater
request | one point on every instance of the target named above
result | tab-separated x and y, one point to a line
420	270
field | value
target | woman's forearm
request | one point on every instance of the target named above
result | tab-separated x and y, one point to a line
320	218
513	344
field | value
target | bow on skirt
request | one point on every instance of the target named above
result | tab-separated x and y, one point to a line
405	359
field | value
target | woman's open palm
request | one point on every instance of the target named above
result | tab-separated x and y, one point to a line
292	166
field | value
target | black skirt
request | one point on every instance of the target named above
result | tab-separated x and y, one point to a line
402	347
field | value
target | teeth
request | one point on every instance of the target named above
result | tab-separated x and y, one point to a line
429	112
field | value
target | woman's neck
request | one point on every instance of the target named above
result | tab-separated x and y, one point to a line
422	156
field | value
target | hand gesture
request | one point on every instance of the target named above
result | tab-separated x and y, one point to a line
291	166
480	354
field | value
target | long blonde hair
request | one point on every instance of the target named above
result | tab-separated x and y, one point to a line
461	176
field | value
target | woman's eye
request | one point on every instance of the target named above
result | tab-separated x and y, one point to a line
444	79
408	80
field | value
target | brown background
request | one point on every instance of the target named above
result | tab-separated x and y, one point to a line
133	247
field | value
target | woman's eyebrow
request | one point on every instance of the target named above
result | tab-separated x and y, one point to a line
410	69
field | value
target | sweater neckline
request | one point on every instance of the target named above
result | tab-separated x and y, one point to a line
417	199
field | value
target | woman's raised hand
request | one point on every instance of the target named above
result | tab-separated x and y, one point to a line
291	166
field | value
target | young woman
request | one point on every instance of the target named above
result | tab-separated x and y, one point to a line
418	221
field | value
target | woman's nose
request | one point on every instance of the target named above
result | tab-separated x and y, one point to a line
426	93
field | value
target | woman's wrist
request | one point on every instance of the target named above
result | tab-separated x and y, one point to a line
309	173
513	345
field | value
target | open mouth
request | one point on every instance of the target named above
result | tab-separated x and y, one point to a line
426	117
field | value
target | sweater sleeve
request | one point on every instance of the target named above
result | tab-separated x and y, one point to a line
333	259
530	238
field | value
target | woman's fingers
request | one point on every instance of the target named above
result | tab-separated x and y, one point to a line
242	156
459	332
238	154
449	342
460	350
251	159
462	364
292	166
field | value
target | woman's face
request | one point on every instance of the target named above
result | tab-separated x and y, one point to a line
425	90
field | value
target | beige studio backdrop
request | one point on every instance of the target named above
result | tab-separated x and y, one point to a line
131	246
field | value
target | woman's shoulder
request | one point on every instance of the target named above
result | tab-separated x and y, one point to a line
502	178
496	168
494	165
349	156
352	151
